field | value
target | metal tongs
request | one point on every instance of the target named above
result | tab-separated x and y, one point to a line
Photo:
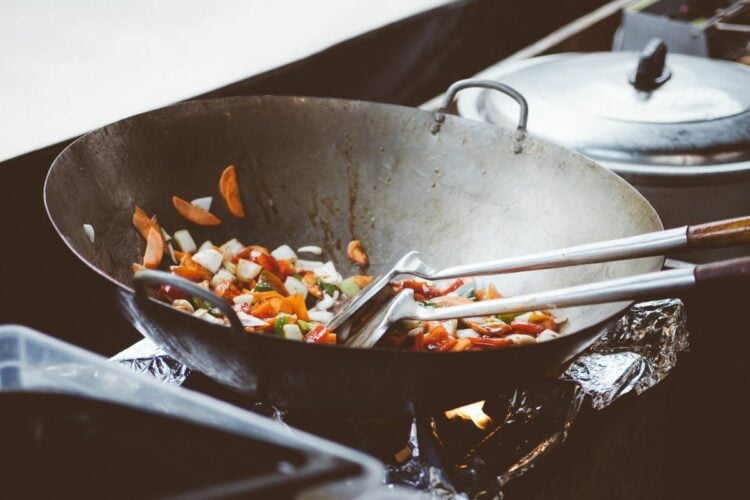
371	323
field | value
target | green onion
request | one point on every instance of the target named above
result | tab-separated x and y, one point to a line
262	286
349	287
427	303
328	288
507	318
304	326
279	326
199	303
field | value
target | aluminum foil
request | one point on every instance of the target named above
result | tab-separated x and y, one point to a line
451	456
146	357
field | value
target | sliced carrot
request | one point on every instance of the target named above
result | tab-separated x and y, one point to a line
461	345
142	222
231	192
328	338
298	306
191	270
259	297
154	249
282	305
195	214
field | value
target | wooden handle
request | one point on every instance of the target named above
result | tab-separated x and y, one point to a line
722	233
725	270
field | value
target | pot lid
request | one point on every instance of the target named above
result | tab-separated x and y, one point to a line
624	107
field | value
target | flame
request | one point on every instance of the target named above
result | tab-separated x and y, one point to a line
473	412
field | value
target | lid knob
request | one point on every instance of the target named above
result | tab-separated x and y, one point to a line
652	71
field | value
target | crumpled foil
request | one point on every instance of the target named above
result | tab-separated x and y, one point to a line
147	357
453	457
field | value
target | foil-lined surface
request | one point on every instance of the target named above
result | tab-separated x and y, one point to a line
472	453
635	353
147	357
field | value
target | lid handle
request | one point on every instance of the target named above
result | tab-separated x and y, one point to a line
652	71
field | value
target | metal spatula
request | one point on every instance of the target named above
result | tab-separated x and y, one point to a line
713	234
643	286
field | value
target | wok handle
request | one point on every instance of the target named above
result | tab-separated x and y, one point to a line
142	279
450	94
733	270
721	233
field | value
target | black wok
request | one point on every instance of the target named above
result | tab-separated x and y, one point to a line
325	171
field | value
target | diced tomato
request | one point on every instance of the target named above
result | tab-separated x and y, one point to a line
264	310
286	269
526	328
424	291
453	287
247	253
320	335
419	342
273	281
268	263
171	293
485	342
544	320
227	290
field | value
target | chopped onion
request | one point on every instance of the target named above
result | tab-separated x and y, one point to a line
415	331
231	267
308	265
547	335
295	286
525	317
183	305
325	303
247	270
284	252
89	230
310	249
206	245
451	326
245	298
230	248
204	314
250	320
327	272
520	339
467	333
171	253
221	276
204	203
320	316
165	235
292	332
184	241
209	258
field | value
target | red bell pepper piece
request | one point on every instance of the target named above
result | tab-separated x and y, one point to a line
526	328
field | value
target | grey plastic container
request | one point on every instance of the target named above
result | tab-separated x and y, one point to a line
31	362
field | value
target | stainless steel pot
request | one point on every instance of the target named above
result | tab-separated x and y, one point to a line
677	127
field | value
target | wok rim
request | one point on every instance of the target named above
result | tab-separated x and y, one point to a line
198	102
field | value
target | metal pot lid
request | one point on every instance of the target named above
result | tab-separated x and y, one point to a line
628	108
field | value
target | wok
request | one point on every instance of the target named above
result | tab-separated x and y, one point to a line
325	171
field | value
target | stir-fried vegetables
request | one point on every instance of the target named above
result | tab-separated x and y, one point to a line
468	334
277	293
